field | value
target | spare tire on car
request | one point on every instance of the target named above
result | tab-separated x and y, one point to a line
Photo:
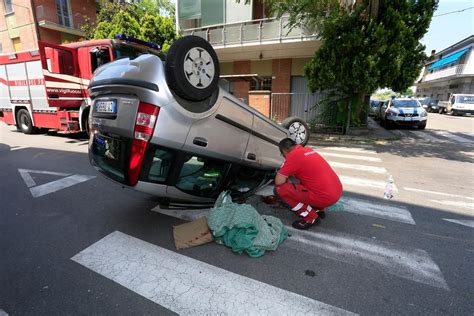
298	130
192	68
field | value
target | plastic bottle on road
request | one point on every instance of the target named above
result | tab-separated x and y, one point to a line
387	194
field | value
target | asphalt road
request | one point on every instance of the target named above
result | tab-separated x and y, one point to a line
88	246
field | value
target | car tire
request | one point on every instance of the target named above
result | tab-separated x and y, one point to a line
441	110
298	130
422	126
24	122
192	68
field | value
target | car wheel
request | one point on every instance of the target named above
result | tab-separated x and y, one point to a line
298	130
24	122
441	110
192	68
422	126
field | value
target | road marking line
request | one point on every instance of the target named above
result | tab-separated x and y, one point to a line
16	148
464	222
412	264
188	286
453	137
357	150
427	137
57	185
468	205
438	193
371	159
25	174
372	169
365	183
3	313
389	212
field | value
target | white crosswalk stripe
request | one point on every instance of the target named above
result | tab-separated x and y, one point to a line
408	263
356	150
367	183
439	193
378	170
453	137
190	287
426	136
384	211
354	157
464	222
468	205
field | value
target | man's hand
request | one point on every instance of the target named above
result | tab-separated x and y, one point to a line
279	179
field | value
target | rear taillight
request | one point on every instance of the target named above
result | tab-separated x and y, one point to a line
144	126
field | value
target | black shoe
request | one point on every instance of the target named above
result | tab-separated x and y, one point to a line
303	225
321	214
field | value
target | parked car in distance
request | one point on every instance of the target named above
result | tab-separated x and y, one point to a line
167	129
458	104
374	106
403	112
429	104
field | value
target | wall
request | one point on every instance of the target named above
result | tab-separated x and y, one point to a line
18	25
241	88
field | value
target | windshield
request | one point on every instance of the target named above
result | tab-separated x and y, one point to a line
465	99
405	103
122	50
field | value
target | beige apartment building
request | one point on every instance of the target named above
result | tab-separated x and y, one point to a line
24	22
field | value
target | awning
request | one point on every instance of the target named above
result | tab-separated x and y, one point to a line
448	59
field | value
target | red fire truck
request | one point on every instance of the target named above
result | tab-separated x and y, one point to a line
47	88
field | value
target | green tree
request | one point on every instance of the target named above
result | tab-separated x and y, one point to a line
370	44
148	20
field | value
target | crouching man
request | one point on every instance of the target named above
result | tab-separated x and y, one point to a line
319	185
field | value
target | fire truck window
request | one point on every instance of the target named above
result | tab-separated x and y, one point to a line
66	62
99	57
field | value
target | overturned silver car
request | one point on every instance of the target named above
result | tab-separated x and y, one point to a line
167	129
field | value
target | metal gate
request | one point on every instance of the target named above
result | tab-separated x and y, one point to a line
301	105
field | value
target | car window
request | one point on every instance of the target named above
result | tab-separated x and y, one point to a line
123	50
247	179
201	176
465	99
161	165
405	103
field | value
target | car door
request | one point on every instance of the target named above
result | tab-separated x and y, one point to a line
222	135
64	86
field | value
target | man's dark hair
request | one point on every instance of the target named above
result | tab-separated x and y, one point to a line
286	144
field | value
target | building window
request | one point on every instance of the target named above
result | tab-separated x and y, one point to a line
17	46
8	6
63	10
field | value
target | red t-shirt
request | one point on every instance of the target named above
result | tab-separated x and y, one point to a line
313	172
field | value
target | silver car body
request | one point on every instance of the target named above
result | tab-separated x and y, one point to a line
220	127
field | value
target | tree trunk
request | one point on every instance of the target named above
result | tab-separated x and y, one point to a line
348	122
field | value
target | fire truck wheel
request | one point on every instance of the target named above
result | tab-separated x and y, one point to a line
24	122
298	130
192	68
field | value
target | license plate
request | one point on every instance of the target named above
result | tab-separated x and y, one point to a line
106	106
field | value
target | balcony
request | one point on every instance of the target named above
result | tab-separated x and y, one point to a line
448	72
252	32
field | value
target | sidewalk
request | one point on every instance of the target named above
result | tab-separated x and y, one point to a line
372	133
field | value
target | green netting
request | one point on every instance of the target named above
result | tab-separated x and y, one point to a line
241	228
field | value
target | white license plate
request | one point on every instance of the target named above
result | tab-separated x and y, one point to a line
106	106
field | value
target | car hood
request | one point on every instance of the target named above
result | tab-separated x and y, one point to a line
407	110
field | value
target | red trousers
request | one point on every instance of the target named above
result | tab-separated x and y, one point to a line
293	194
